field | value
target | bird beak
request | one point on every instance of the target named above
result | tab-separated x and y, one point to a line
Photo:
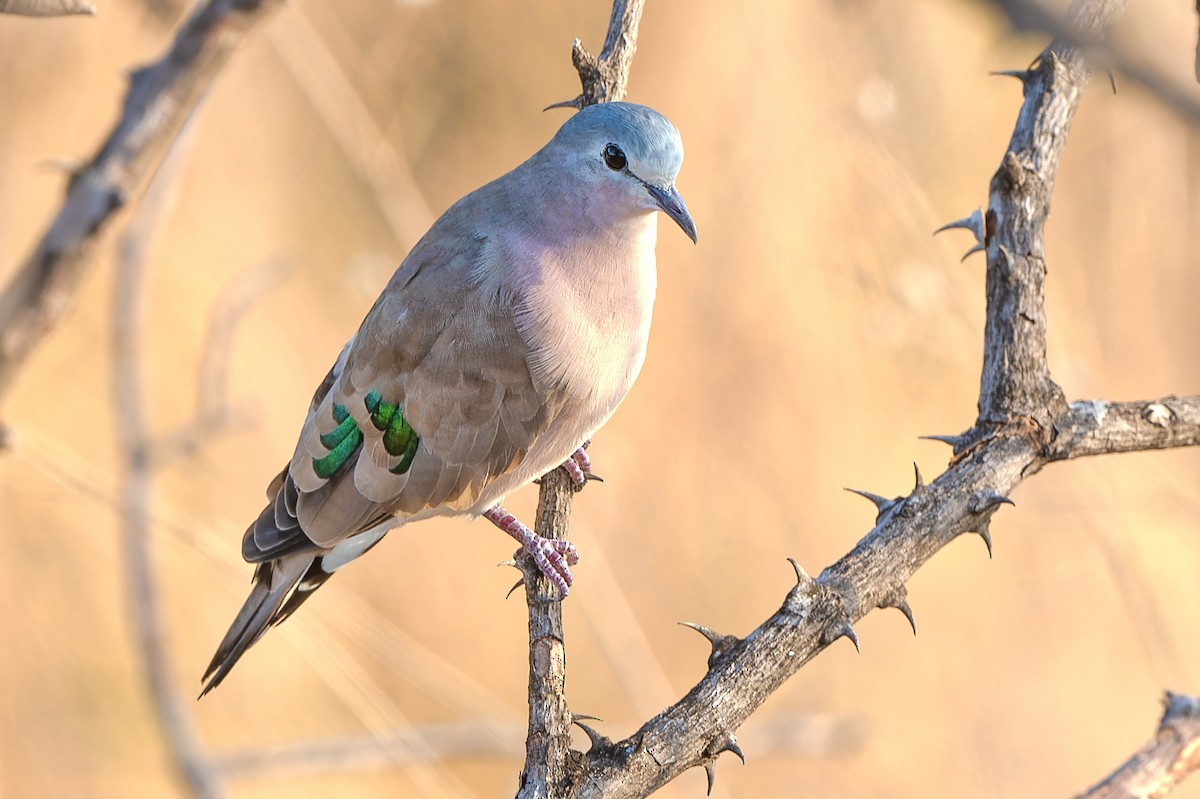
671	203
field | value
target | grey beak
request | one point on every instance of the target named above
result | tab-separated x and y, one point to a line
672	204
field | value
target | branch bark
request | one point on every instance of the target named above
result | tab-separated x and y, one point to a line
1168	757
160	98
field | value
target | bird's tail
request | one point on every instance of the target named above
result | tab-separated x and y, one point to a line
274	582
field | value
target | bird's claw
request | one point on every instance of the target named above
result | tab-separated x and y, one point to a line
579	468
553	557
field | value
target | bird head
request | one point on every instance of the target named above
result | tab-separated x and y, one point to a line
629	155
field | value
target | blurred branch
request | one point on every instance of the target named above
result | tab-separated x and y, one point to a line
215	411
160	98
136	486
46	8
1172	754
348	119
606	79
373	751
1036	15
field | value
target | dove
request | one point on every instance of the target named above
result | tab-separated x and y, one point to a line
504	340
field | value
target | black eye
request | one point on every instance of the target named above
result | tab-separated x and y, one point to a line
614	157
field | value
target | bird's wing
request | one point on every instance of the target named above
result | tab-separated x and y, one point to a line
431	401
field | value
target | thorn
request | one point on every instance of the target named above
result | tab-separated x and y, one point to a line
970	252
711	771
987	499
802	577
898	599
1112	80
729	744
843	629
720	643
577	103
920	481
952	441
986	535
882	504
1022	75
598	741
973	223
903	606
520	583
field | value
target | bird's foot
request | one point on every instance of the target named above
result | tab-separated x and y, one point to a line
579	468
553	557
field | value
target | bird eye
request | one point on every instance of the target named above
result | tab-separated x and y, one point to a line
614	157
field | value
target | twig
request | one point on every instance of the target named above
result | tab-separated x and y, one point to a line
160	98
606	79
1168	757
128	399
216	413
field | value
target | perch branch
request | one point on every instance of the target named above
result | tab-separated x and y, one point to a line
1168	757
159	98
551	767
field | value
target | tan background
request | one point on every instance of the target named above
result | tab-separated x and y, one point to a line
816	331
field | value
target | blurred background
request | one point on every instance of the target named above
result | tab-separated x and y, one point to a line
816	331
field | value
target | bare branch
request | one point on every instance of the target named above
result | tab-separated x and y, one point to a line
606	79
46	8
1096	427
159	99
1168	757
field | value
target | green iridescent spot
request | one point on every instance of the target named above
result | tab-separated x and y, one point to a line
381	412
399	438
339	454
338	434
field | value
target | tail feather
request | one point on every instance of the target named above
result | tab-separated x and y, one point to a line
274	582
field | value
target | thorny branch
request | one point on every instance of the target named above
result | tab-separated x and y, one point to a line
160	98
1024	423
1168	757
